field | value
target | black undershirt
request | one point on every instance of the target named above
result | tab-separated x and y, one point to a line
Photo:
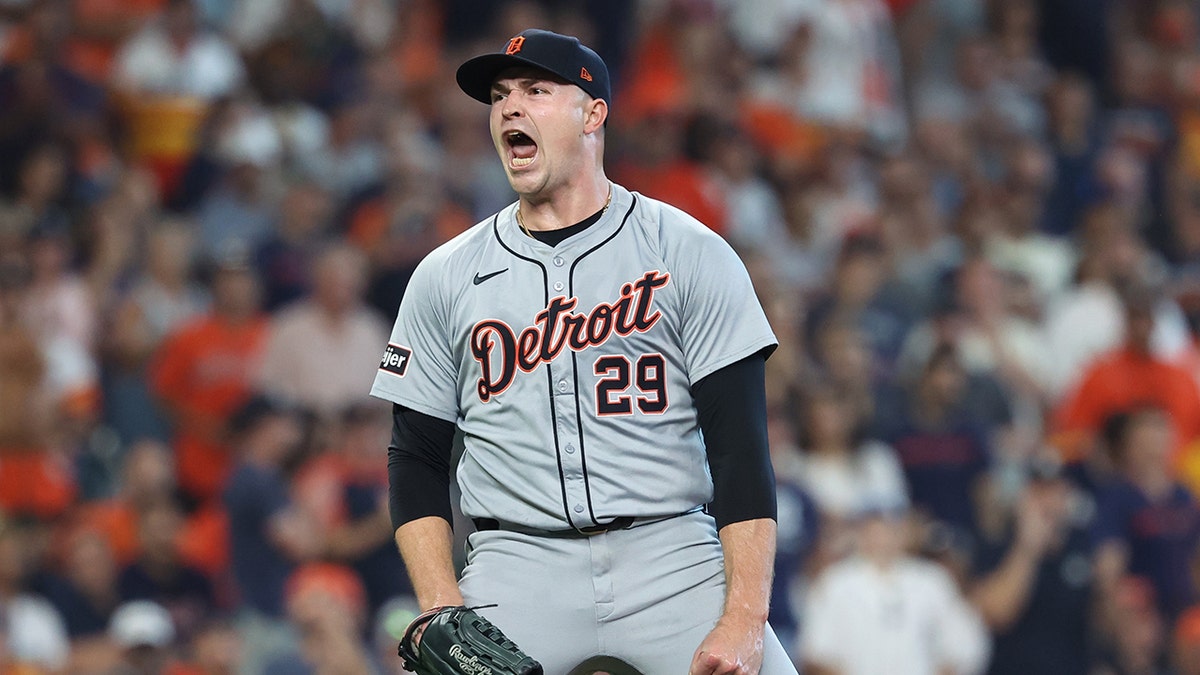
556	237
731	406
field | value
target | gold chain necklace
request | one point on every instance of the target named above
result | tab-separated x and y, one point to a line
521	221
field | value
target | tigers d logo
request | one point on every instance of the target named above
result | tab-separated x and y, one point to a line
514	45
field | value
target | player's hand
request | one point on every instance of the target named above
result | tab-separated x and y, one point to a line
732	648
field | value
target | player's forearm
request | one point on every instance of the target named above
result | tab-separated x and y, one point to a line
749	549
426	546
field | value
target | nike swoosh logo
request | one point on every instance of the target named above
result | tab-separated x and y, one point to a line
480	278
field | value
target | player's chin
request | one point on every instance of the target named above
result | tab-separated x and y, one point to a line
524	180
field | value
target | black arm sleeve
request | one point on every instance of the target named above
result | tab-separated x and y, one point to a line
419	466
732	406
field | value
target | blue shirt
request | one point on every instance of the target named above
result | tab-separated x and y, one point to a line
1161	537
254	495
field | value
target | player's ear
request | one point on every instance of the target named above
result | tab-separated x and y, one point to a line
595	112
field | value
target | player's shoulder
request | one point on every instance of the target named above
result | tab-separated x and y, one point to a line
673	232
668	220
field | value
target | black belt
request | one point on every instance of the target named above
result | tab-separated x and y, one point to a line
618	523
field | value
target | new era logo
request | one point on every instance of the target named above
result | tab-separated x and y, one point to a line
583	72
395	359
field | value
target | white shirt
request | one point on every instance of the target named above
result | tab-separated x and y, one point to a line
1088	321
1046	261
206	69
907	620
313	363
841	487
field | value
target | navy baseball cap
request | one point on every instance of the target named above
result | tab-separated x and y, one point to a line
561	55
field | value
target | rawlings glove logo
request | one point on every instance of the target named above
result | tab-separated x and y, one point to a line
469	664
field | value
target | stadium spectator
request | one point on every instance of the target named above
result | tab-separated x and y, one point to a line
203	372
269	535
34	479
1021	247
237	212
84	589
1147	524
327	603
321	349
943	448
1129	376
915	230
161	300
62	316
36	635
286	258
883	610
1033	578
1074	140
841	469
168	74
979	316
864	290
161	575
350	160
147	476
344	491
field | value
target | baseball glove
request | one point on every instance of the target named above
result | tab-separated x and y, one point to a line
457	641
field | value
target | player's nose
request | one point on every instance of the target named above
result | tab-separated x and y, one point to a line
511	105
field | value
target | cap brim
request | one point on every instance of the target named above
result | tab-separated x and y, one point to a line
475	77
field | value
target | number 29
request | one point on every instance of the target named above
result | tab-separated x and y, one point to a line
651	382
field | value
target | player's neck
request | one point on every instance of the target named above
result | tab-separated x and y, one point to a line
566	208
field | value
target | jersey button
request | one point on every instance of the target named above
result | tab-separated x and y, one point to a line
570	449
558	285
558	261
562	386
579	508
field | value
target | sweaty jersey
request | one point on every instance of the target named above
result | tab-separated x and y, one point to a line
569	368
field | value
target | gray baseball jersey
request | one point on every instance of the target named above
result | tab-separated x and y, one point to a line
569	368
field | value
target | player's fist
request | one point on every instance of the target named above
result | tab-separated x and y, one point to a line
730	649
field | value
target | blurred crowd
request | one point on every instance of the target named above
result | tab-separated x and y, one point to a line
975	225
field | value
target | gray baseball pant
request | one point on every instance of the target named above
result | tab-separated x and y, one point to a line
647	595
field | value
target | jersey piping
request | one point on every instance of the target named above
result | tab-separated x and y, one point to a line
562	478
587	486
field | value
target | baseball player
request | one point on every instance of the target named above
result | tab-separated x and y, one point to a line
603	355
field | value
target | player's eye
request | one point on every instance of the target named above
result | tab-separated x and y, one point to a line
539	90
497	96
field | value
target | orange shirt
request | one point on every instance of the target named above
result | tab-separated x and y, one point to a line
37	483
204	372
204	540
1122	380
117	520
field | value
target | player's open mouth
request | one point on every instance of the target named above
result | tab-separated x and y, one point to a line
522	147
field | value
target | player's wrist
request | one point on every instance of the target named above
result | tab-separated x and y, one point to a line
439	601
747	617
